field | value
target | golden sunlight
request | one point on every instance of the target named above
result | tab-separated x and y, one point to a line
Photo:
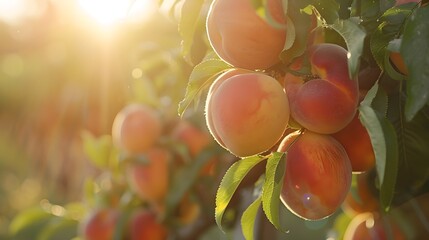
106	12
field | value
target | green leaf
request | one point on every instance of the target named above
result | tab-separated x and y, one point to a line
328	9
387	188
272	187
183	180
201	77
59	228
297	27
354	36
232	178
415	51
248	219
98	150
188	23
384	142
30	219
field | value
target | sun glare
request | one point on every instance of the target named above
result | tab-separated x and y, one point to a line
106	12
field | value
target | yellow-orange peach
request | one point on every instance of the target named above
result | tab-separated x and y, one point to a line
355	140
317	176
136	128
150	179
194	138
241	37
247	113
144	226
99	224
329	102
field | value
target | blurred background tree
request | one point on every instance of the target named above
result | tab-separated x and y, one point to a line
68	66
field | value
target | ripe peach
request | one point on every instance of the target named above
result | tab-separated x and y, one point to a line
99	224
317	177
398	62
367	200
370	226
355	140
136	128
247	113
242	38
328	103
145	226
150	180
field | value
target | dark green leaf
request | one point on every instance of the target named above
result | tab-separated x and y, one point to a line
58	229
387	187
328	9
354	36
201	77
248	219
230	182
415	51
272	187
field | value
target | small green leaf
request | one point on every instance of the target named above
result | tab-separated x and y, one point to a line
58	228
201	77
328	9
248	219
272	187
415	51
98	150
232	178
188	23
354	36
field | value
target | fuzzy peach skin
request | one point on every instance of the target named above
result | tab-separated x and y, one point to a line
355	140
136	128
328	103
150	180
247	113
144	225
317	176
242	38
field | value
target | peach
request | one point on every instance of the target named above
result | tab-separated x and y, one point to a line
398	62
317	176
136	128
355	140
371	226
329	102
99	224
150	180
144	226
247	113
194	138
241	37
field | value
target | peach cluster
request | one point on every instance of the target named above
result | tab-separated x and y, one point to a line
248	111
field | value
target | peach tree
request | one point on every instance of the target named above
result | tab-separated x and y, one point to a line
318	92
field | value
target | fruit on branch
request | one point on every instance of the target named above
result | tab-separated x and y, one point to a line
144	226
241	37
364	200
247	113
371	226
355	140
318	174
149	179
188	210
327	103
397	61
136	128
99	224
